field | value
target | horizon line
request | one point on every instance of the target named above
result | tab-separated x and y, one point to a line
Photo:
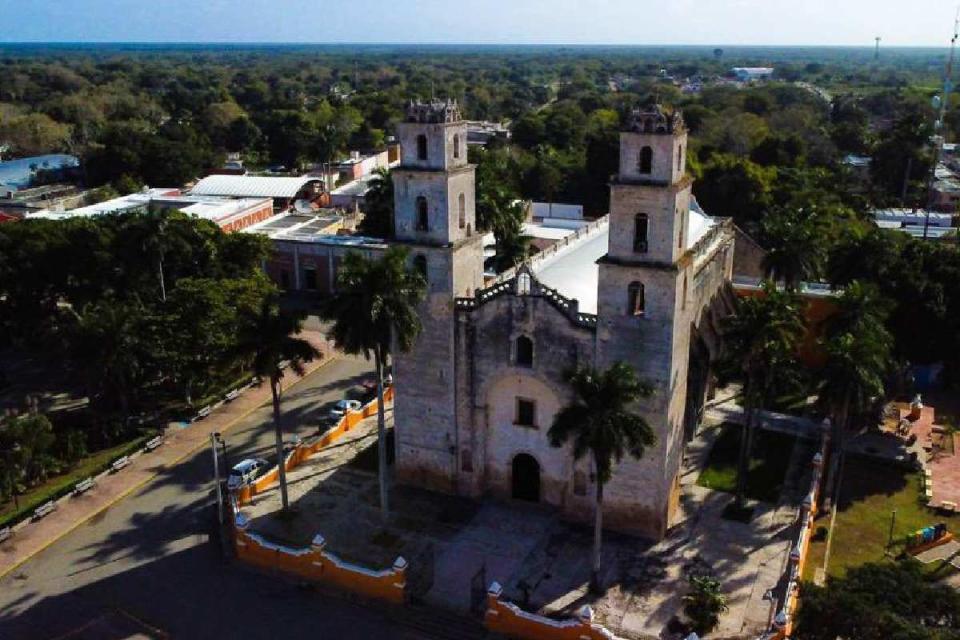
275	43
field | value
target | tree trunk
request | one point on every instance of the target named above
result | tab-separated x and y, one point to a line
163	286
595	586
838	438
743	462
381	438
278	430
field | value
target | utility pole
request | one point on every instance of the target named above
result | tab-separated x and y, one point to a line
216	476
940	105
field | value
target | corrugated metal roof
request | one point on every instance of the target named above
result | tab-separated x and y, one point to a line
251	186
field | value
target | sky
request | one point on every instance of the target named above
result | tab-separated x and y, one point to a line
638	22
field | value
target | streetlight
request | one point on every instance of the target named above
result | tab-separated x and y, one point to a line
214	439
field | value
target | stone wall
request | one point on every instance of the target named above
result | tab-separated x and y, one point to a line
490	380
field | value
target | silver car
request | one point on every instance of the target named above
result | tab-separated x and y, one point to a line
246	471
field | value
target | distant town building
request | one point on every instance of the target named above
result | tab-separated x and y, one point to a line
946	195
359	165
21	173
352	195
750	74
918	223
284	191
49	197
556	210
230	214
308	250
481	132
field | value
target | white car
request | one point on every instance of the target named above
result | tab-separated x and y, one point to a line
342	407
245	472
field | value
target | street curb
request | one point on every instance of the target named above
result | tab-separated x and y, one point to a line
153	476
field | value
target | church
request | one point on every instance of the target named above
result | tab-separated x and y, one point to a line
646	285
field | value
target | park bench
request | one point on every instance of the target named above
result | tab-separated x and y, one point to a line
83	486
153	443
120	463
44	510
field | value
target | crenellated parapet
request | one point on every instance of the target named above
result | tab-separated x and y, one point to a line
433	112
524	283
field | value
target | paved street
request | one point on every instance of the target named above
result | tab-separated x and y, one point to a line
147	559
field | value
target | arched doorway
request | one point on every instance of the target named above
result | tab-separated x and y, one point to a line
526	478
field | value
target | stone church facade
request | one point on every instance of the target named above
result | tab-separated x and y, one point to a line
478	393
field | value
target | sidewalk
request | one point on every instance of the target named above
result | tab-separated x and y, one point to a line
728	410
33	537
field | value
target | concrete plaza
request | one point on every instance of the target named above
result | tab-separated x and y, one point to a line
456	546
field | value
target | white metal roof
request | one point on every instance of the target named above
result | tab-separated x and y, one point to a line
251	186
574	272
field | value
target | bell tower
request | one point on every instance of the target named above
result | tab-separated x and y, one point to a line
650	196
641	304
435	218
434	185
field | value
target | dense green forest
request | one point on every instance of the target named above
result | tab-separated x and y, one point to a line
769	155
164	115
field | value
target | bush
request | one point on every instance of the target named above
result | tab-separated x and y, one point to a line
704	603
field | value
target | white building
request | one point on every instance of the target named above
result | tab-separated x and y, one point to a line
749	74
230	214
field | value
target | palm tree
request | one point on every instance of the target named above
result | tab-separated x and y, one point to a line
378	217
795	246
271	339
858	347
373	310
513	246
761	341
108	345
599	423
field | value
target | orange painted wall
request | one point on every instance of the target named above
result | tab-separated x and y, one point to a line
818	309
317	565
303	451
314	563
507	619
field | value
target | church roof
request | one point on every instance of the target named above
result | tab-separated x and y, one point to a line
573	270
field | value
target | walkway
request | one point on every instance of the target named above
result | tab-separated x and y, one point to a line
32	537
729	411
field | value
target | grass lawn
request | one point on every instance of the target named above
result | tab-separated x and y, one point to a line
55	486
768	463
870	491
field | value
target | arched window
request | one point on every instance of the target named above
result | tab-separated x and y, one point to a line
524	352
420	265
462	210
456	145
646	160
421	147
523	284
641	224
423	218
680	159
635	299
683	225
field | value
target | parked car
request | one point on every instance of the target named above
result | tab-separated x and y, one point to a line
343	406
246	471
